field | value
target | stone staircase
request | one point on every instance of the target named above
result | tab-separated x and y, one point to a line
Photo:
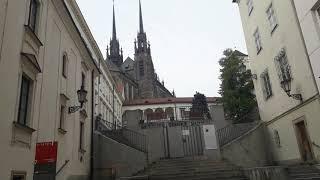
191	169
304	172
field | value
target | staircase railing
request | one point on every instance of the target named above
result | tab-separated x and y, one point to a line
267	173
122	135
234	131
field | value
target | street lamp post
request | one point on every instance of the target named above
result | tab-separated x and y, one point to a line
82	98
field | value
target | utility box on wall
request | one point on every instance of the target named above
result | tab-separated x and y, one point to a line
211	149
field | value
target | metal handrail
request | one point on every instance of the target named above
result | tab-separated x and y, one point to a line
233	131
122	134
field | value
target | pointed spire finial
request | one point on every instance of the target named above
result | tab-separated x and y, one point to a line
140	16
114	31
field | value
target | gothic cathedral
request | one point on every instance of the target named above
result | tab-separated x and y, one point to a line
136	77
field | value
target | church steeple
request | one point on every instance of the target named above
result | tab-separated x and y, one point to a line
114	30
140	20
114	53
141	43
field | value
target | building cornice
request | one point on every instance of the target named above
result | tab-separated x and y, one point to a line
306	102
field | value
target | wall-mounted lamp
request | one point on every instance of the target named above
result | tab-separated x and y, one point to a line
286	86
82	97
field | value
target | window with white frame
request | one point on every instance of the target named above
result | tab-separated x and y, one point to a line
257	40
272	18
282	66
266	85
250	6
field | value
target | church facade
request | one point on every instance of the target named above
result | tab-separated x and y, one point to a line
136	78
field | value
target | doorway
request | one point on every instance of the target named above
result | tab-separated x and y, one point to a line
303	141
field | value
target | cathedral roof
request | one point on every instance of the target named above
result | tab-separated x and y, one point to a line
187	100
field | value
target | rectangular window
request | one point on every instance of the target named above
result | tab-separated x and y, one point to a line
272	18
141	68
24	100
64	66
283	67
266	85
33	14
18	176
83	80
257	40
62	117
81	138
250	6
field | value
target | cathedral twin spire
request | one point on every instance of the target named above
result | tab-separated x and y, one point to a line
115	53
141	45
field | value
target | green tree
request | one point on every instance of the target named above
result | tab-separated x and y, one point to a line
200	108
236	87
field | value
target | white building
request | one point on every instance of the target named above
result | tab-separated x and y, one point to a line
175	109
285	87
109	98
47	54
308	13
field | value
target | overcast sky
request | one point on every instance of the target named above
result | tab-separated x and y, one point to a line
187	37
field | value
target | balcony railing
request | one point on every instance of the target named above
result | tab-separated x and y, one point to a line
122	135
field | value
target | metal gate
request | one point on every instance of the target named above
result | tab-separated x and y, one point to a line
192	139
182	140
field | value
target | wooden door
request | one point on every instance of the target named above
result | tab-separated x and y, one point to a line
303	141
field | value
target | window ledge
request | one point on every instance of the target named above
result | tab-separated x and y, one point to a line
250	12
259	51
33	35
274	29
24	127
62	131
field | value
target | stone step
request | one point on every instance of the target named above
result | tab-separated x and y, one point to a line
174	170
305	175
197	177
202	178
192	171
303	172
219	174
196	163
193	166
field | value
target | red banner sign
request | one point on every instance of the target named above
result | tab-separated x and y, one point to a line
46	152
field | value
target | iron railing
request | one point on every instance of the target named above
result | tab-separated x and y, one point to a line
122	135
147	125
267	173
233	131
